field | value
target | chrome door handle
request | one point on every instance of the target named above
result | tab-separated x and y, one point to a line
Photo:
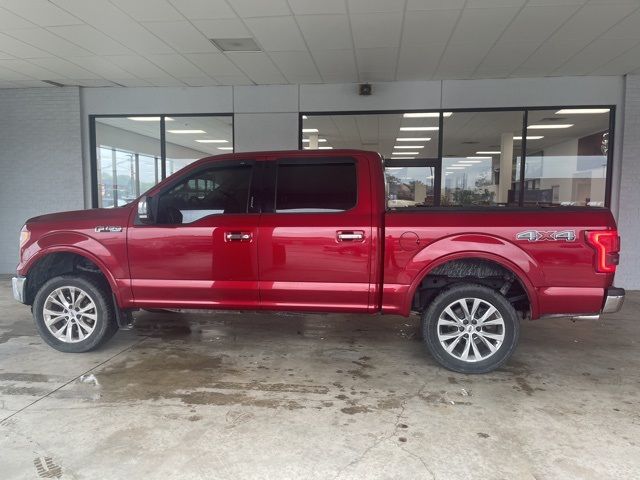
238	236
350	236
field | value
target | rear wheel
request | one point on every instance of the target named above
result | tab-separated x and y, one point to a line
74	313
470	329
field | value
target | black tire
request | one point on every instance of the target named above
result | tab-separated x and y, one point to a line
511	330
98	291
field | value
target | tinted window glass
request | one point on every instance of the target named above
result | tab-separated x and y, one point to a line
316	187
217	190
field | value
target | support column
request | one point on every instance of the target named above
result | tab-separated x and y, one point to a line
506	167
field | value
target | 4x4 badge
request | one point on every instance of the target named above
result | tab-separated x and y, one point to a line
547	236
106	229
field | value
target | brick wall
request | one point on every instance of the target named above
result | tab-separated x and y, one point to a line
628	275
40	160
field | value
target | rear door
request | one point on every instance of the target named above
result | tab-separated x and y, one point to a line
315	233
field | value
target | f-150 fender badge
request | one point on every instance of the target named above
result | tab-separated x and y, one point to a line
107	229
547	236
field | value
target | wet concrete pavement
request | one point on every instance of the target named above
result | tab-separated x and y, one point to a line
288	396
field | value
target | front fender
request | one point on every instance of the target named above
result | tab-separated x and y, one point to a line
483	246
81	244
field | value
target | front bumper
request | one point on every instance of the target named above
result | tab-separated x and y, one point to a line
19	287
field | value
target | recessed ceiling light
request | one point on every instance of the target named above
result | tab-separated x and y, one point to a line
571	111
401	158
409	146
320	140
149	119
413	139
325	148
309	130
479	158
557	125
530	137
470	161
426	114
455	168
186	131
418	129
225	148
236	44
212	141
489	152
405	153
304	117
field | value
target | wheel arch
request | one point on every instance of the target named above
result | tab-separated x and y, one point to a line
59	260
520	276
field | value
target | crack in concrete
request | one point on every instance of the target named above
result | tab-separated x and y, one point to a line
382	438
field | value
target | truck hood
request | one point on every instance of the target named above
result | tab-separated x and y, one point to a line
81	218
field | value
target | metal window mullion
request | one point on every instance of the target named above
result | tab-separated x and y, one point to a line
523	156
163	148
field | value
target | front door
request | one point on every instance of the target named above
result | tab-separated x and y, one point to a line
315	234
201	251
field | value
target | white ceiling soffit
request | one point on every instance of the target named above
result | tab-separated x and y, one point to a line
167	42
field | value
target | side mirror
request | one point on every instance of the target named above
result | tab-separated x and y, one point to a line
144	210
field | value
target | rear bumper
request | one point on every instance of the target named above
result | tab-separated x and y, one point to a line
19	286
613	300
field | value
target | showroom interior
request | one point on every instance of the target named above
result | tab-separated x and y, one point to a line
483	103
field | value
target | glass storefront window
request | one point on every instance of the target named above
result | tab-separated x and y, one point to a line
481	158
129	151
480	162
566	162
408	142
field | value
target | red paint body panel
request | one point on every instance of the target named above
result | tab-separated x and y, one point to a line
294	261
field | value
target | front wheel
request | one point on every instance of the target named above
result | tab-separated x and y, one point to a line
470	329
74	313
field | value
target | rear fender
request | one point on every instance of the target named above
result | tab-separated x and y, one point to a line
482	246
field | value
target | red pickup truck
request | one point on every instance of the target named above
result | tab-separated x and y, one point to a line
313	231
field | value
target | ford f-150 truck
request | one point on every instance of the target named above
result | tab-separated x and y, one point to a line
314	231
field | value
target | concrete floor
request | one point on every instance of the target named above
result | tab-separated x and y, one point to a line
288	396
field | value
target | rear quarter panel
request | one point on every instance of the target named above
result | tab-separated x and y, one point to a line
559	276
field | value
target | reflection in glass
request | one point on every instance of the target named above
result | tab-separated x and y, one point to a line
568	164
410	186
128	151
481	158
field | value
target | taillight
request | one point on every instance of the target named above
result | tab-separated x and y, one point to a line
607	245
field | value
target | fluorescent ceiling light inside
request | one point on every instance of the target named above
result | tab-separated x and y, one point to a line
186	131
225	148
470	161
212	141
479	158
418	129
320	140
573	111
149	119
401	158
489	152
409	146
309	130
426	114
413	139
405	153
530	137
551	126
325	148
455	168
304	117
